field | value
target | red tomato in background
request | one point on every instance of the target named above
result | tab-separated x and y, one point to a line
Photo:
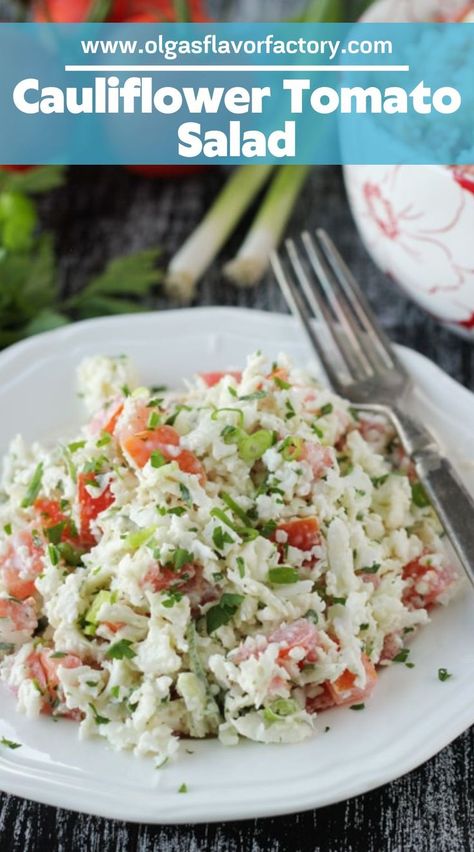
131	12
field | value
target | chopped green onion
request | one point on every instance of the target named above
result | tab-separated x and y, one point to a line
53	554
136	539
221	538
279	709
218	411
9	743
357	706
250	397
292	449
240	566
185	494
153	420
283	575
231	434
76	445
183	788
370	569
443	674
157	459
252	447
246	533
280	383
235	508
104	440
33	487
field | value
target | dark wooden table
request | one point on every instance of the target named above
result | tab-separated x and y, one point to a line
103	212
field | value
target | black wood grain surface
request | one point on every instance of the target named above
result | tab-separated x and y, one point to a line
103	212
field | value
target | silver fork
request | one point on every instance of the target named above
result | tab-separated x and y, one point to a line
362	366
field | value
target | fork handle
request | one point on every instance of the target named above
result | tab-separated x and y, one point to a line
452	503
450	499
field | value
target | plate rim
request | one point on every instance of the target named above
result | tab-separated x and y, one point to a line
15	780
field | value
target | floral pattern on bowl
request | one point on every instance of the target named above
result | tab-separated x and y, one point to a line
417	222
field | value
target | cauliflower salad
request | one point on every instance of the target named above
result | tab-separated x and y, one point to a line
227	560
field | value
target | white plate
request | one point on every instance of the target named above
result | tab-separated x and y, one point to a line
412	714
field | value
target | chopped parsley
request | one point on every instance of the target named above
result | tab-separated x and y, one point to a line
221	613
185	494
170	598
183	788
326	409
98	719
402	656
419	496
121	650
9	743
220	538
75	446
357	706
7	529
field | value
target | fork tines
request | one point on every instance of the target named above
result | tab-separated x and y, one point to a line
317	284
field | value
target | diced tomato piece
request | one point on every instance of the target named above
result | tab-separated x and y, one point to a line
392	645
319	458
426	584
344	691
161	578
140	443
189	463
21	615
212	379
51	665
302	533
51	515
281	373
90	507
112	421
189	580
43	669
300	634
21	564
114	627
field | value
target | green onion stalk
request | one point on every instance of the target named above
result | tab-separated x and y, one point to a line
200	249
251	262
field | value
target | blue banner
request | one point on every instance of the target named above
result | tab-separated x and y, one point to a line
236	93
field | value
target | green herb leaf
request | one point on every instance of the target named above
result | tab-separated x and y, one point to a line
98	719
357	706
183	788
250	397
222	612
157	459
120	650
402	656
419	496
